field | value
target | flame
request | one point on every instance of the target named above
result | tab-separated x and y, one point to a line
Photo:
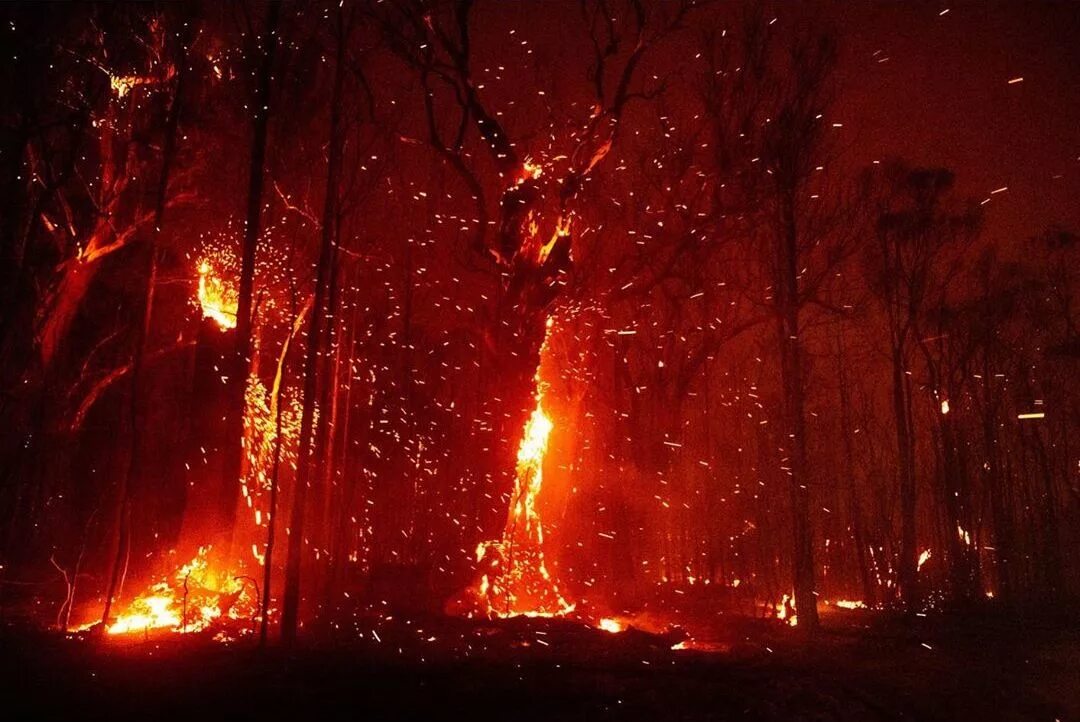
530	471
529	169
197	594
190	600
785	610
217	300
611	625
517	581
849	604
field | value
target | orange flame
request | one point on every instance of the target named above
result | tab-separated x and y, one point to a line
785	610
611	625
216	299
517	581
193	598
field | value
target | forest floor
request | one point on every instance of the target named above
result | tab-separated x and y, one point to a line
862	666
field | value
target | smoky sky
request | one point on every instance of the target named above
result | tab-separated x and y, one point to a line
933	88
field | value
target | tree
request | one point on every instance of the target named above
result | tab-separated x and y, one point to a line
527	249
792	152
239	365
315	341
145	318
909	264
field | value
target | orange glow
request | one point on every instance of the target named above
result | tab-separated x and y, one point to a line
516	580
611	625
529	169
849	604
193	598
217	300
785	611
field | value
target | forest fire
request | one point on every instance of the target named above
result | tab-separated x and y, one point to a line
613	626
516	580
191	599
490	346
217	299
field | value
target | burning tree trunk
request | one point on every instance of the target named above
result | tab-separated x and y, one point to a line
530	249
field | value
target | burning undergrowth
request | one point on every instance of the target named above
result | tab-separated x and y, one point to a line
195	598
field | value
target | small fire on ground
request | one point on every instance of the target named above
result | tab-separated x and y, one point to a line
192	599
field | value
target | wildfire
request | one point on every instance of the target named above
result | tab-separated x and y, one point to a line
849	604
529	169
611	625
217	300
517	581
785	610
192	599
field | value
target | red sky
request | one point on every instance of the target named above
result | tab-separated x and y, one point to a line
943	97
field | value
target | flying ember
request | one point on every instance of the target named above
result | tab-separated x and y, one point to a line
647	359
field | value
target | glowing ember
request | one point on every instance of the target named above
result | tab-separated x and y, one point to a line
217	300
849	604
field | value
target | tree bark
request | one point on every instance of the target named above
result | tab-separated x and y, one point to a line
291	604
239	365
794	392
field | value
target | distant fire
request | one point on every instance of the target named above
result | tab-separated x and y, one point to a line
611	625
785	610
849	604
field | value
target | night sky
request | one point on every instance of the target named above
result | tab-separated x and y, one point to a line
934	89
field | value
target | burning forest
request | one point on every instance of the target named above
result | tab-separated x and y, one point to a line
578	358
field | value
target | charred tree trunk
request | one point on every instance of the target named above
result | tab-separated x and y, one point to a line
239	365
142	332
794	393
901	403
291	603
858	533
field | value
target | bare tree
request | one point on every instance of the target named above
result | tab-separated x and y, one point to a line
239	365
328	225
909	265
526	246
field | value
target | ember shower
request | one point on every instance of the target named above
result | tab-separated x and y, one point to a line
318	311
